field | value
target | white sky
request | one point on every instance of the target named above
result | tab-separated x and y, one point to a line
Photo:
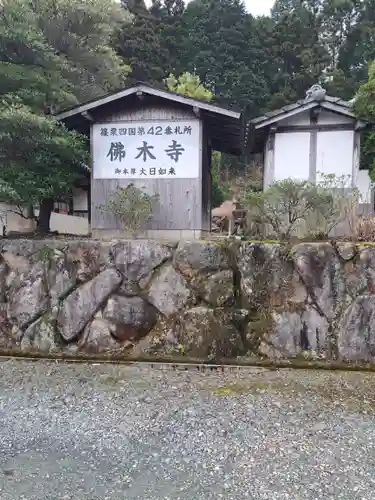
259	7
256	7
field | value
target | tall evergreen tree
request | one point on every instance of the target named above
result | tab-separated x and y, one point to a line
173	33
317	40
139	43
358	48
365	109
80	33
225	52
299	54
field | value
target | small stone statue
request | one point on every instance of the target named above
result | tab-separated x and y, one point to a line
316	92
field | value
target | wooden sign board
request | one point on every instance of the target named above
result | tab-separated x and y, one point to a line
160	149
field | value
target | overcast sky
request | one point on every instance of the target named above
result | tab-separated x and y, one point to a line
259	7
256	7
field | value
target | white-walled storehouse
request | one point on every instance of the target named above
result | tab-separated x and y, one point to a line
319	134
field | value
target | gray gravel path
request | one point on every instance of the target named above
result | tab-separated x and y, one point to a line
107	432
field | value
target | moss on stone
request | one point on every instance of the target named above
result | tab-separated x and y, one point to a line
261	242
366	243
230	390
45	253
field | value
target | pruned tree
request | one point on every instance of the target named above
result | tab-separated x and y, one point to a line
278	210
290	208
53	54
38	166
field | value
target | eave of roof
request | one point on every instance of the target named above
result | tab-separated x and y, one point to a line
146	89
334	104
224	124
331	103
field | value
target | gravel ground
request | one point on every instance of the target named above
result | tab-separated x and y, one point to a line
90	432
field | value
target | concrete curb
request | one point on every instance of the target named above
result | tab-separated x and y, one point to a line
195	364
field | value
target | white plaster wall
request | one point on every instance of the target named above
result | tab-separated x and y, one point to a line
299	119
335	153
329	118
363	183
292	156
12	221
69	224
325	118
59	222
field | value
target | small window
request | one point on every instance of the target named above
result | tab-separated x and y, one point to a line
61	207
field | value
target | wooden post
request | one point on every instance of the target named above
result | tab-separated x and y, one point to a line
314	115
269	168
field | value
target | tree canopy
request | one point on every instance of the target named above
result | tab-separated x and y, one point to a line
53	54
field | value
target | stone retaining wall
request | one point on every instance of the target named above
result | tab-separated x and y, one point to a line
202	300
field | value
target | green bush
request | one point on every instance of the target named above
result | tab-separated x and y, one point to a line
301	209
132	206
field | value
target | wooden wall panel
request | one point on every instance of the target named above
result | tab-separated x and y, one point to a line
180	200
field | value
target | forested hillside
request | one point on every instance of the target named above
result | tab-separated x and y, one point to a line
55	53
260	62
